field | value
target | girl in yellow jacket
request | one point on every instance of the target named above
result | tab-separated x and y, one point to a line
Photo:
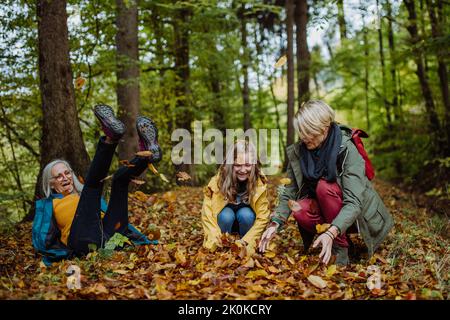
235	200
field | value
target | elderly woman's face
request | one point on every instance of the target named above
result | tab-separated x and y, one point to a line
315	141
62	180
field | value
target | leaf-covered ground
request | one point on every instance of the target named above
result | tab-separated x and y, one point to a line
413	261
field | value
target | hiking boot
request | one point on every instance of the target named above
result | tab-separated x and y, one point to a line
148	137
111	126
341	255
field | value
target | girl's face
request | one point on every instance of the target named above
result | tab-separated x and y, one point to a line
62	180
242	167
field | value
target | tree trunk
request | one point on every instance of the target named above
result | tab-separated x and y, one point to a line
341	20
393	66
128	97
290	74
442	67
303	56
61	132
383	68
245	63
433	124
366	77
183	112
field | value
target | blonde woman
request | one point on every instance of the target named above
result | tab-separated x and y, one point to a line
329	182
235	200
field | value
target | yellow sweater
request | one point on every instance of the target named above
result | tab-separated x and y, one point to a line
64	211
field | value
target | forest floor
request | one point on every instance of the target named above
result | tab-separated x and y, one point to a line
413	260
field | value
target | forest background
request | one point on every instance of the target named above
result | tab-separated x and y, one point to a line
381	64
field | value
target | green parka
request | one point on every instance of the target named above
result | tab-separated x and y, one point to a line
361	203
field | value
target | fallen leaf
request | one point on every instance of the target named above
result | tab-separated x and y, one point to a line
138	182
274	269
256	273
317	281
331	270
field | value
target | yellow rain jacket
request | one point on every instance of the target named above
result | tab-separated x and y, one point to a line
214	202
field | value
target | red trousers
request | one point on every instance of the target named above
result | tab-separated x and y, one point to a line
321	210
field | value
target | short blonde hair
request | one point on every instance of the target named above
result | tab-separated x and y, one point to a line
313	117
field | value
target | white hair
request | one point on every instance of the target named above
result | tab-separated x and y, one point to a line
47	176
312	118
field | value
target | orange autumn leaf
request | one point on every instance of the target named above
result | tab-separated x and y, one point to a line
79	82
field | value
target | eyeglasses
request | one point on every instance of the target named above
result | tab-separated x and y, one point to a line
60	177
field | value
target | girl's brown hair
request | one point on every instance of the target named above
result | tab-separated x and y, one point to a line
227	181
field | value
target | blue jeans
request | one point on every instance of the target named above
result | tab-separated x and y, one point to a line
244	217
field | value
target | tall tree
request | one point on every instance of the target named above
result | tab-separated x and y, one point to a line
383	68
290	71
341	19
433	123
184	115
393	65
128	96
441	51
245	61
61	132
303	55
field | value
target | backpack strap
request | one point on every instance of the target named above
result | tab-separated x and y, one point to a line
357	134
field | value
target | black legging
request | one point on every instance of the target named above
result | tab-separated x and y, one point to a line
87	226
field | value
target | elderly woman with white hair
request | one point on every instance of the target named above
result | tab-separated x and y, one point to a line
328	181
72	217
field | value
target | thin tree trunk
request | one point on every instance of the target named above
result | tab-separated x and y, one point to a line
245	63
290	74
442	67
341	20
433	124
422	29
303	56
393	67
15	167
258	72
184	115
366	77
128	95
383	68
